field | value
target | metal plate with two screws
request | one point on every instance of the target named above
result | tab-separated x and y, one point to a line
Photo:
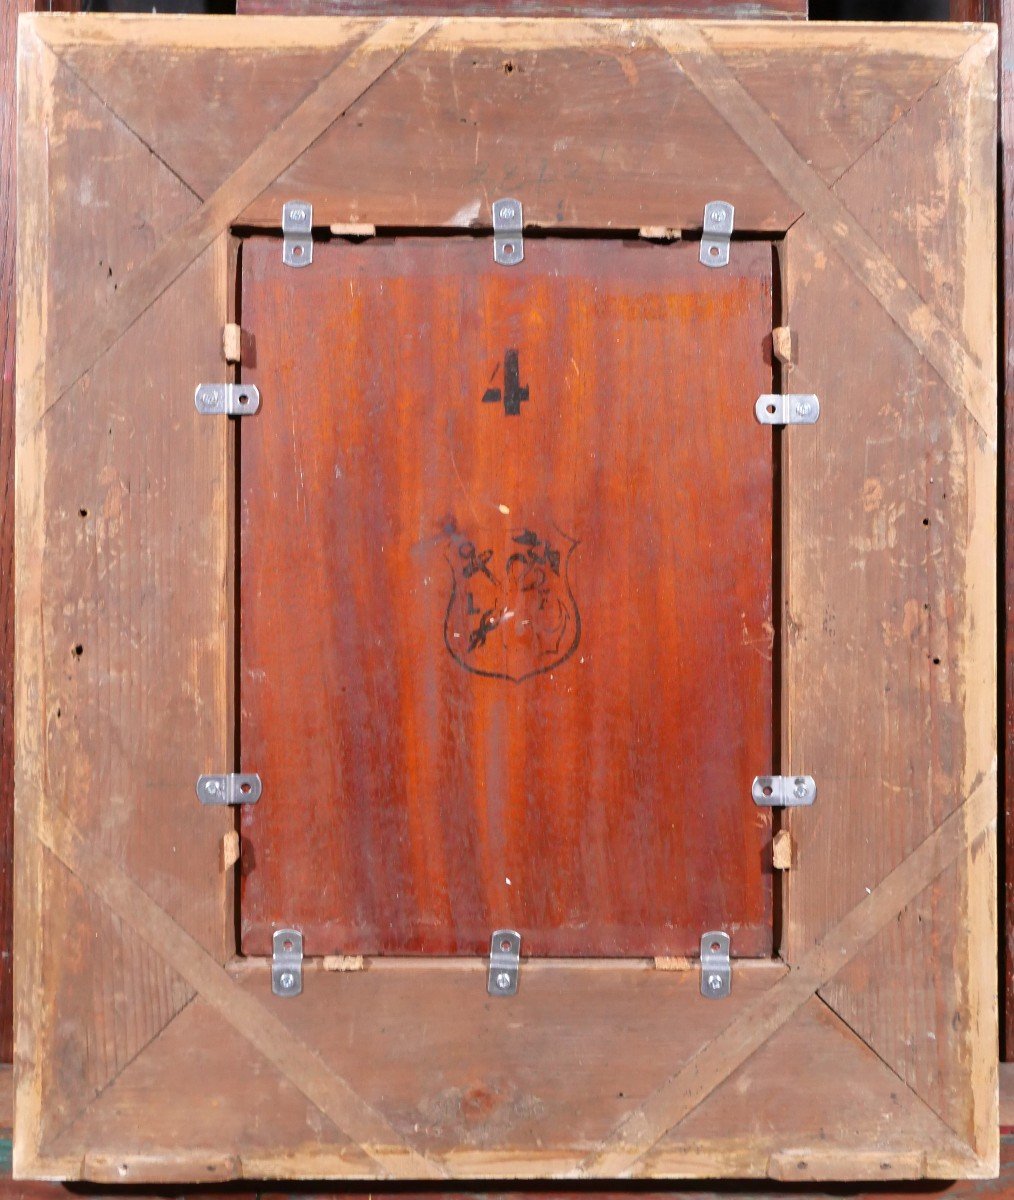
716	235
229	789
784	791
287	962
508	242
792	409
297	233
504	963
227	399
716	969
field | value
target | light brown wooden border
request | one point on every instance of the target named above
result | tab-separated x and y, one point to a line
145	1050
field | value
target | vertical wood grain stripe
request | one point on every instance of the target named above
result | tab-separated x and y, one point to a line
336	92
33	1015
715	1061
973	383
348	1111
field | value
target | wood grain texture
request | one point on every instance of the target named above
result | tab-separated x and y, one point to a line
377	48
970	375
921	705
521	1120
962	1190
8	184
878	1190
559	154
373	1138
8	35
965	1189
1003	12
470	1113
505	617
794	1126
152	701
488	108
694	10
664	1109
121	498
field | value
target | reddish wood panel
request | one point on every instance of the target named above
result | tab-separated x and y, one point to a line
506	578
973	10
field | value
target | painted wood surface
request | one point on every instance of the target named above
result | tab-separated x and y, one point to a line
506	567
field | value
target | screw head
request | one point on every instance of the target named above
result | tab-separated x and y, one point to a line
286	980
503	981
715	983
799	791
804	408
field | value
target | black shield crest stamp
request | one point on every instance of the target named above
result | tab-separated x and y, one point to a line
511	613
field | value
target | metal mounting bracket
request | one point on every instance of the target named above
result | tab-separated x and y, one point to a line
229	789
508	240
784	791
716	235
796	408
716	969
287	962
504	963
297	233
227	399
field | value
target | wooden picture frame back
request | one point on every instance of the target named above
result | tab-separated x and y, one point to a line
868	1049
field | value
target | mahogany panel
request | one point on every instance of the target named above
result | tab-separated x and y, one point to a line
506	588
